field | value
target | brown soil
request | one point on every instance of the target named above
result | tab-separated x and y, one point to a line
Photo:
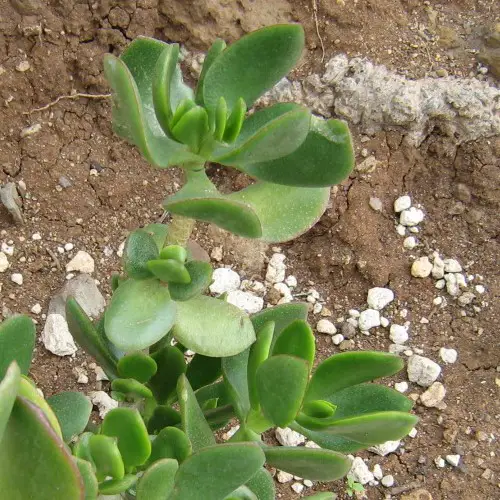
352	247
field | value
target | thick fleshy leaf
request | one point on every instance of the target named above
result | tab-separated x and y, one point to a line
106	457
116	486
171	364
298	340
137	365
324	495
163	416
140	314
72	410
9	386
242	493
170	443
213	327
192	128
175	252
158	232
303	208
88	477
131	388
158	481
133	112
259	59
262	484
217	391
220	416
281	385
316	415
213	52
140	248
194	423
81	448
220	120
323	159
234	121
201	277
184	106
169	270
347	369
234	371
309	463
17	340
127	426
239	461
203	370
30	439
88	337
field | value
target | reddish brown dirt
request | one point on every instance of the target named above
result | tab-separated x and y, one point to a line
352	247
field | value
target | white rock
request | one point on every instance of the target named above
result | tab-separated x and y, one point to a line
401	386
120	249
421	268
360	472
36	236
286	294
410	243
396	348
103	402
449	356
317	308
354	313
384	322
401	230
452	266
466	298
217	254
288	437
461	280
411	217
379	297
298	487
480	289
231	432
423	370
7	249
388	481
100	374
453	460
377	472
276	268
291	281
337	339
283	477
413	433
36	309
398	334
56	336
439	461
433	396
81	262
326	326
81	375
224	280
402	203
438	267
437	301
312	444
375	204
385	448
308	483
246	301
370	318
452	286
440	284
4	263
68	247
17	278
424	320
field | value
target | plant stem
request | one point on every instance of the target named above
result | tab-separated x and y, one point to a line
179	230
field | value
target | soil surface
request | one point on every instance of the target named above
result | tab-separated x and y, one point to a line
50	49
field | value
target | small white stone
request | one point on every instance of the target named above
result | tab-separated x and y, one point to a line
56	336
396	348
326	326
354	313
377	472
423	370
402	203
23	66
68	247
308	483
466	298
103	402
312	444
438	267
421	268
375	204
370	318
378	297
439	461
288	437
60	250
36	309
424	321
100	374
276	268
298	488
413	433
461	280
283	477
291	281
384	321
352	321
449	356
401	230
317	308
433	396
410	243
451	284
401	387
480	289
286	294
224	280
7	249
388	481
452	266
81	262
246	301
385	448
437	301
217	254
360	472
411	217
440	284
398	334
36	236
17	278
453	460
4	263
231	432
120	249
337	339
108	251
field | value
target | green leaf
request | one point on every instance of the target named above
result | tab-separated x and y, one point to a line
201	472
234	371
169	271
298	340
157	482
201	277
140	248
220	416
193	421
259	59
212	327
217	391
242	493
127	426
163	416
87	336
17	340
262	484
81	449
140	314
106	457
72	410
309	463
170	443
281	385
220	119
324	495
316	415
9	386
203	370
346	369
171	365
323	159
192	128
116	486
91	488
303	208
131	388
234	121
137	365
259	352
30	439
158	232
175	252
184	106
213	52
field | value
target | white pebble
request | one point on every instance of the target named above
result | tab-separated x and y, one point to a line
276	268
288	437
398	334
440	284
286	294
384	321
308	483
452	266
60	250
453	460
4	263
401	230
423	370
413	433
224	280
449	356
103	402
36	236
360	472
480	289
377	472
17	278
7	249
354	313
385	448
217	254
438	267
401	387
317	308
36	309
246	301
411	217
283	477
68	247
369	319
433	396
378	297
337	339
402	203
410	243
437	301
421	268
326	326
466	298
375	204
452	286
387	481
291	281
81	262
440	463
298	487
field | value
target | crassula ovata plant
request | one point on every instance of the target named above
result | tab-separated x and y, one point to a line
257	370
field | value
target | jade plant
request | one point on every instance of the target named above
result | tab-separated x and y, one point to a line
160	443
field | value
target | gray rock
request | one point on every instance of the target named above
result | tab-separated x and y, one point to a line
12	202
